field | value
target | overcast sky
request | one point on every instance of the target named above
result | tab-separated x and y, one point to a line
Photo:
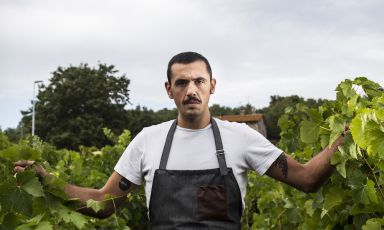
256	48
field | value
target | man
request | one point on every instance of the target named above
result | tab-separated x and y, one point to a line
195	167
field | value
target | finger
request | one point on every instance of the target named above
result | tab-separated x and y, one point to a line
18	169
24	163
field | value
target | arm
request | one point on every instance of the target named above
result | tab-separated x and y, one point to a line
117	186
306	177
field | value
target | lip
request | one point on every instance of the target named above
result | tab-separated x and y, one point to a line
192	102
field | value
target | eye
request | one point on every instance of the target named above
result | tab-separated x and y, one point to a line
181	83
199	81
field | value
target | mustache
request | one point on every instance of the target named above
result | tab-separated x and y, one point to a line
190	99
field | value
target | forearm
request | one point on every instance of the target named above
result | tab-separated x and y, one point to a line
85	194
305	177
319	168
109	202
113	193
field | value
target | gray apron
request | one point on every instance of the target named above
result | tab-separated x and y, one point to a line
195	199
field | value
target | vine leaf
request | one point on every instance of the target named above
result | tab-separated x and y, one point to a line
20	152
55	186
367	132
336	124
44	225
374	223
30	184
309	131
36	223
69	216
366	194
15	199
95	205
377	142
331	200
16	193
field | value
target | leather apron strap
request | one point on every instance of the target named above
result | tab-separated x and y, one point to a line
218	143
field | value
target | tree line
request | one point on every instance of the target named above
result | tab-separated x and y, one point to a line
79	101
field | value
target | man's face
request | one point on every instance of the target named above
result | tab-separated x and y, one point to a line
190	88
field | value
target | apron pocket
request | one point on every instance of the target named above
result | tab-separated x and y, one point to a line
212	203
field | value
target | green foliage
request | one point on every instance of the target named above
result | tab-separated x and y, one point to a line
14	134
276	109
29	203
4	142
353	198
141	117
76	105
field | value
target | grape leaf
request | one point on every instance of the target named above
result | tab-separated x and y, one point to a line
373	224
95	205
332	199
44	225
55	186
20	152
16	193
309	131
35	221
30	184
365	194
345	88
341	169
13	198
376	143
70	216
356	178
10	221
336	125
308	206
283	122
352	105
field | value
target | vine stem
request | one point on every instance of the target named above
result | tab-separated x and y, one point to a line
111	198
325	128
114	207
280	215
374	177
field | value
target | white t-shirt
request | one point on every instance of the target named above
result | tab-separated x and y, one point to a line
194	149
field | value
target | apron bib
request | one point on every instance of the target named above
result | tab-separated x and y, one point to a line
195	199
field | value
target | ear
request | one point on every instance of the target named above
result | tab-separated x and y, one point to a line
213	85
168	89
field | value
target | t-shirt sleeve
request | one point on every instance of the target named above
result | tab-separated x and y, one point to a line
260	152
130	163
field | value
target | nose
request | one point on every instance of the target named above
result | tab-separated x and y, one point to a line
191	90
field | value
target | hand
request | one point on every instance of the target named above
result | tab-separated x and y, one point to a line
21	165
346	130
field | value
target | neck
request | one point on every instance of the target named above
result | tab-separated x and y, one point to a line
197	122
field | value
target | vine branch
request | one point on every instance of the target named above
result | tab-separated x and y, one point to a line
374	177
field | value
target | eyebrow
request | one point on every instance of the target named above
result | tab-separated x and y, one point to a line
183	79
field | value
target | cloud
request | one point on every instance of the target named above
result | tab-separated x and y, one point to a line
256	48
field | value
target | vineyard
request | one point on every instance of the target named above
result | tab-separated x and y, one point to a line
353	198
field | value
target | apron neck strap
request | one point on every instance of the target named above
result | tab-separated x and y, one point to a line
167	146
218	144
219	148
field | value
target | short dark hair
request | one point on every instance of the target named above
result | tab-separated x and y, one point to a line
186	58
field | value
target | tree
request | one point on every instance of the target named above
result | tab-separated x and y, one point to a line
78	103
4	142
14	134
141	117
